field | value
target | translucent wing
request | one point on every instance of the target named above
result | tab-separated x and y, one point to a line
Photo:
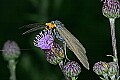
74	45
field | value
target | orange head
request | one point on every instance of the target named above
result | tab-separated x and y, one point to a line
50	25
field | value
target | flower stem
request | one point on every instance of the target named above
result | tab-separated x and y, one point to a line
12	67
73	78
112	26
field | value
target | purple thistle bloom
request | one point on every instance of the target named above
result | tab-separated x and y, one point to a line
111	8
100	68
11	50
44	40
72	69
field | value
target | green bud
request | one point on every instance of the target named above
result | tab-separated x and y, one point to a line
111	8
100	68
11	50
113	68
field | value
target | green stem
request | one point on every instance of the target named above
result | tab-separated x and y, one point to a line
12	67
73	78
112	26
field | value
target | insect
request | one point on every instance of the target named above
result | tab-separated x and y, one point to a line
66	37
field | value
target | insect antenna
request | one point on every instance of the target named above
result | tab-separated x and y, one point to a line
35	29
31	25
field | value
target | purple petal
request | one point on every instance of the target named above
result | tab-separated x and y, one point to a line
44	40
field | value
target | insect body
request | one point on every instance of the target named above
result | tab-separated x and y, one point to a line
66	37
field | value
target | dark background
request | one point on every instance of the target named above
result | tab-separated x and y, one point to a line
83	18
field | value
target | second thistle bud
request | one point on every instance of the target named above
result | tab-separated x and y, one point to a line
113	68
111	8
100	68
10	50
52	58
72	69
55	55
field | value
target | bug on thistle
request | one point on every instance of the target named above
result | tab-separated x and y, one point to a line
54	53
66	37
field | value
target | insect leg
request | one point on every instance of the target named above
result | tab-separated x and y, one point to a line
64	44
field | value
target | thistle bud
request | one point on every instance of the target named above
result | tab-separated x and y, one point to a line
55	55
11	50
100	68
52	58
72	69
111	8
113	68
58	50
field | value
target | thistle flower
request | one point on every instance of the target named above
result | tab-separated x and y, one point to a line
113	68
55	55
100	68
44	39
11	50
72	69
111	8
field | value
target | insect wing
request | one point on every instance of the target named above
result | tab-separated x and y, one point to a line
74	45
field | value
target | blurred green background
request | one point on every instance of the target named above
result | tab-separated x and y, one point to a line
83	18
